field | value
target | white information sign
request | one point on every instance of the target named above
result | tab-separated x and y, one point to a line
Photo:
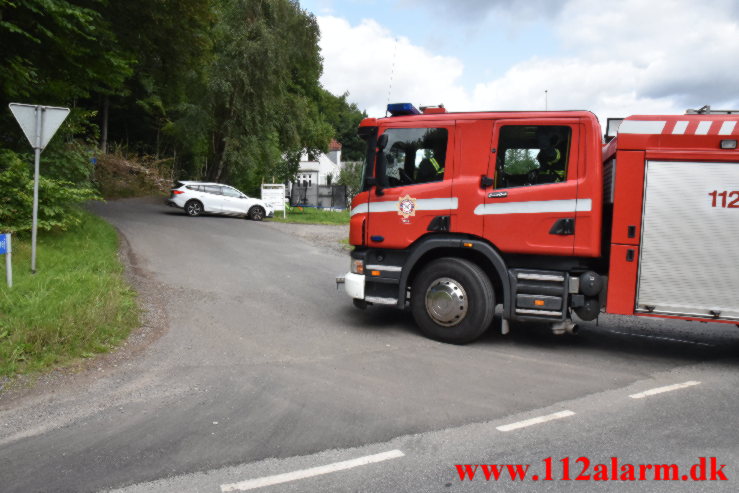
274	195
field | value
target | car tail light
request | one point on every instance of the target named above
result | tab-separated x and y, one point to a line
177	192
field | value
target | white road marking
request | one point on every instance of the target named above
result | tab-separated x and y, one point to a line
667	388
309	473
661	338
535	421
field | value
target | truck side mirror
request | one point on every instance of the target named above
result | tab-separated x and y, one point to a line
380	179
382	142
381	165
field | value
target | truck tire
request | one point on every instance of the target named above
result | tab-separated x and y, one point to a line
452	300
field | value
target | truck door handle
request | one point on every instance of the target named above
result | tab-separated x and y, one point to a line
563	227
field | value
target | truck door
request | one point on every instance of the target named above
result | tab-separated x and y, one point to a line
413	176
531	204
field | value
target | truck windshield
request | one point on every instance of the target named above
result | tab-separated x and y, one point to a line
413	155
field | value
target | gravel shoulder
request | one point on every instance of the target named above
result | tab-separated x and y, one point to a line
327	236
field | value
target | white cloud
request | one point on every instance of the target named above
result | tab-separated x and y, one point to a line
478	11
602	87
627	57
367	61
678	48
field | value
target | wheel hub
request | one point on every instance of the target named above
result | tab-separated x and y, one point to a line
446	302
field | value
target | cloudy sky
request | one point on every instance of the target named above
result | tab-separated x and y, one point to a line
615	58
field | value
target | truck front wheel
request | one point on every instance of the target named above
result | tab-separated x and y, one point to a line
452	300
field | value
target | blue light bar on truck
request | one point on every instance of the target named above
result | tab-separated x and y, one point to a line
402	109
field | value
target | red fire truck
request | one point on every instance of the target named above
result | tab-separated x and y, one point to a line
462	212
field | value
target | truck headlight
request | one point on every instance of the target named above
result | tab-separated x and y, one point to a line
357	266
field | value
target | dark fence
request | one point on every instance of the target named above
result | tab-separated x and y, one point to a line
323	196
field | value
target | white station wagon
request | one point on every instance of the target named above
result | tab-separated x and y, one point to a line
197	197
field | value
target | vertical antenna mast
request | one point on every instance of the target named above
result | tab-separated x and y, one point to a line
546	99
392	72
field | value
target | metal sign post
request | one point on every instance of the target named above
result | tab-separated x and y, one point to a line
39	123
7	250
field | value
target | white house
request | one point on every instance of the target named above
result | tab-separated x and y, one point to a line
323	169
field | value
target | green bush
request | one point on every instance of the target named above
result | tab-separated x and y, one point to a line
58	199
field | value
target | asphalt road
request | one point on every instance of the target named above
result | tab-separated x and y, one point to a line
263	368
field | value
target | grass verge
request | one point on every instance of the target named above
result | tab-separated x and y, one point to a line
76	305
310	215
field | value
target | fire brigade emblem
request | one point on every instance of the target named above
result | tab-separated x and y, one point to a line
406	207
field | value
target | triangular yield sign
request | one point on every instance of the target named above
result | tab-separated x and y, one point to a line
52	118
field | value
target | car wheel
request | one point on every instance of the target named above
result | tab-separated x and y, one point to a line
256	213
193	208
452	300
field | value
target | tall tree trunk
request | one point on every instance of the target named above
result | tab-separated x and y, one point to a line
104	136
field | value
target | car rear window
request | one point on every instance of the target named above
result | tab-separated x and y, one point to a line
212	189
178	184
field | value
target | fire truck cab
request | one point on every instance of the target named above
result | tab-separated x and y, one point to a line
462	212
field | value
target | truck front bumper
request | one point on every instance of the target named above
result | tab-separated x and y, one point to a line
353	285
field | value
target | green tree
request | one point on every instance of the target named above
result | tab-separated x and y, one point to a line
57	50
261	101
57	208
344	117
520	161
351	177
169	44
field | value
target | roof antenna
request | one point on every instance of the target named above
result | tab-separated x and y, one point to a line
546	99
392	72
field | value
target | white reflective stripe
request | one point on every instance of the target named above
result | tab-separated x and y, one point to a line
435	204
680	127
381	301
386	268
388	206
540	277
641	127
534	207
727	128
421	205
548	313
703	128
584	205
361	208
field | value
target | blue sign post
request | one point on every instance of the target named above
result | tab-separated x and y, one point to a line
7	250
